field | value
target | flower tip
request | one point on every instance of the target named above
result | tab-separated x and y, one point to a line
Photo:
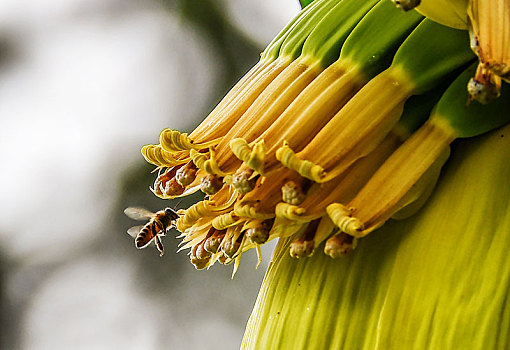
300	248
211	184
482	91
230	248
212	243
258	235
186	174
292	193
339	245
199	257
199	264
243	181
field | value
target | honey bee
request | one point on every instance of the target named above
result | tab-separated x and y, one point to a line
159	223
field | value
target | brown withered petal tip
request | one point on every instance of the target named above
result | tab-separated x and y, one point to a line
301	248
211	184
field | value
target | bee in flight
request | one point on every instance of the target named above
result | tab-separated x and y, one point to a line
159	223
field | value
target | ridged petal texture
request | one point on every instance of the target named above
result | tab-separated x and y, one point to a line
439	280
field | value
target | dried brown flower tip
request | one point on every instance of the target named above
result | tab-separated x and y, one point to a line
293	193
211	184
186	174
243	180
339	245
258	234
212	243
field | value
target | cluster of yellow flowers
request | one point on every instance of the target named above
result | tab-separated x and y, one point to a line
344	123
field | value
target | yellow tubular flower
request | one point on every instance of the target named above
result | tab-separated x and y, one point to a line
354	131
368	117
344	188
271	103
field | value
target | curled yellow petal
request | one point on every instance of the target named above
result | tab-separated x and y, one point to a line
305	168
206	162
252	156
293	212
225	221
341	216
247	210
156	155
175	141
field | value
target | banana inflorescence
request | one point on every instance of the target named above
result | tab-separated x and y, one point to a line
344	123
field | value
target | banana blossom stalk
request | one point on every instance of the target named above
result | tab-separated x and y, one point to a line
323	141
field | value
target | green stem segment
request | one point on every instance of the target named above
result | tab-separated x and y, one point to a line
470	119
373	42
327	38
431	53
293	42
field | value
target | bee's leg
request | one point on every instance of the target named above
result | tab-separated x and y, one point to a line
159	245
170	227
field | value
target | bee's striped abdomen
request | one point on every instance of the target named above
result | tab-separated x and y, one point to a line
146	235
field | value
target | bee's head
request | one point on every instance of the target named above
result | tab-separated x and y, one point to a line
171	214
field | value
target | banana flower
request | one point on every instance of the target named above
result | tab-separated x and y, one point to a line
357	113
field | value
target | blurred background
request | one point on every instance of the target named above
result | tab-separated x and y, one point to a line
83	85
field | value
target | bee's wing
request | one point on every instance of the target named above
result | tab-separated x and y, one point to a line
137	213
134	231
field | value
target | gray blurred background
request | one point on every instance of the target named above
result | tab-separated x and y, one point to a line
83	85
